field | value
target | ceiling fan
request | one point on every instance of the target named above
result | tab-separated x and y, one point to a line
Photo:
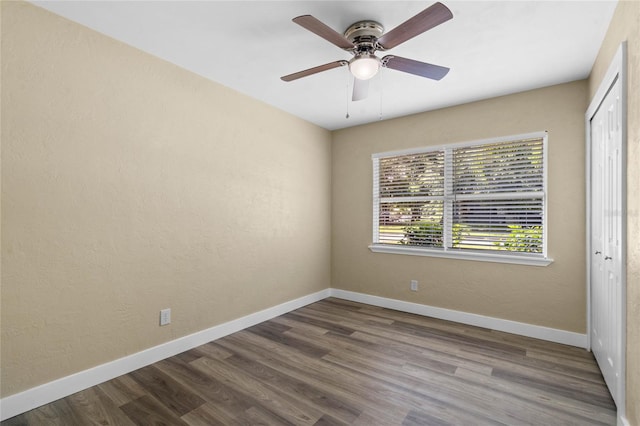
364	38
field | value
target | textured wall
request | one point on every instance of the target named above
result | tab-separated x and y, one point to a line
625	25
552	296
130	185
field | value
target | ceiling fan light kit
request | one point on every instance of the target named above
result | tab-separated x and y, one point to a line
364	67
364	38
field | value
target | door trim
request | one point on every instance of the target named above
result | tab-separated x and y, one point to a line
616	72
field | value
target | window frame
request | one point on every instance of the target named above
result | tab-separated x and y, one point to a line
533	259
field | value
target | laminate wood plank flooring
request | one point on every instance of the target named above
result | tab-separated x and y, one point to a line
336	362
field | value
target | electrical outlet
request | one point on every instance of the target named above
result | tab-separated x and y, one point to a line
414	285
165	316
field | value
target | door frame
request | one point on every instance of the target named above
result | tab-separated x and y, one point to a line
617	71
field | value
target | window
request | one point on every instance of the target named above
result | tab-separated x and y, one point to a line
483	200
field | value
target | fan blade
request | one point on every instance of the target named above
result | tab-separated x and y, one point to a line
360	89
324	31
431	17
314	70
434	72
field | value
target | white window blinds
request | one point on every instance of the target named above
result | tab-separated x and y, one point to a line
411	189
486	196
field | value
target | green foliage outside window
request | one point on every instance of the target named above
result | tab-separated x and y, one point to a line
429	234
524	239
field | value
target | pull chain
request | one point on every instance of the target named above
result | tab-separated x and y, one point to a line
347	97
380	87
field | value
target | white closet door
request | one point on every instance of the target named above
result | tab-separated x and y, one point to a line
606	238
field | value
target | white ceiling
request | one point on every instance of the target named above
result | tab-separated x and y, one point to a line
492	47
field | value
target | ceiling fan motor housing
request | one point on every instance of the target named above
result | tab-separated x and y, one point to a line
364	34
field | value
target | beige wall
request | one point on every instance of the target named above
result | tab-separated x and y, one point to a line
625	25
552	296
130	185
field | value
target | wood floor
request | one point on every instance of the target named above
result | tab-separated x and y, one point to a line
336	362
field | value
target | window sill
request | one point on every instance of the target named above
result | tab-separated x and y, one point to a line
466	255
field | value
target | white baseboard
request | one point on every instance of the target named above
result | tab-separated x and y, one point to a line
523	329
49	392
